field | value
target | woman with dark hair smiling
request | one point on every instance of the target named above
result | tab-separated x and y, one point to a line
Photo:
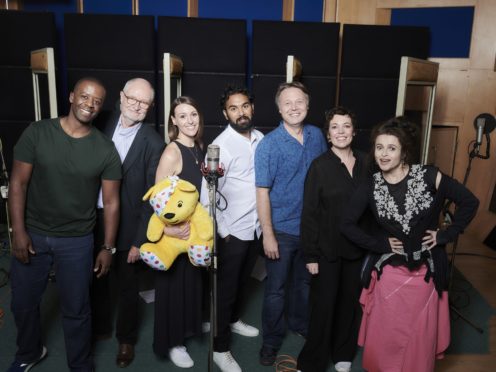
405	325
178	291
333	260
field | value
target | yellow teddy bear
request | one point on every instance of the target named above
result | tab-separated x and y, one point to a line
175	201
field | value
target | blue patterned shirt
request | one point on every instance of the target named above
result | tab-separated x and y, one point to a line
281	164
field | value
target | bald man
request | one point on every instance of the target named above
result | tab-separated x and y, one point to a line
140	147
59	166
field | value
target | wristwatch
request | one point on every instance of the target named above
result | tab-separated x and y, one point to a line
109	248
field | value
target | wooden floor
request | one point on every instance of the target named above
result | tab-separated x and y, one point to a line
481	272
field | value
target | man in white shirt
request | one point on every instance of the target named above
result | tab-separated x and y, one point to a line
238	227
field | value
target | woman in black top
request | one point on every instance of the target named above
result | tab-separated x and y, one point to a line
405	326
333	261
178	291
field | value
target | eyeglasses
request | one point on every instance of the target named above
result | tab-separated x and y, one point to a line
133	101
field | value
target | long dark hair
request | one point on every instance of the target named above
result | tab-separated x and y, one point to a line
173	130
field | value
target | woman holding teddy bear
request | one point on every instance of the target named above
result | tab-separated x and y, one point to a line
178	291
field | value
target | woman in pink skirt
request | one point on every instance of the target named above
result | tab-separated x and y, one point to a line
405	324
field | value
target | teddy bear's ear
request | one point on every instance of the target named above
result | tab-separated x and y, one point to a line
186	186
149	193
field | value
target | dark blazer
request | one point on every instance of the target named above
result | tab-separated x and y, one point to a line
138	175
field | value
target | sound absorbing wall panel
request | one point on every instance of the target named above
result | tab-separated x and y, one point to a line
370	66
22	32
314	44
213	52
112	48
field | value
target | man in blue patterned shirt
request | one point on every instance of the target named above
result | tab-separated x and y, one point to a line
281	163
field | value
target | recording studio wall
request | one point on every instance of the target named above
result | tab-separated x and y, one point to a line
213	52
116	48
112	48
314	44
21	33
370	67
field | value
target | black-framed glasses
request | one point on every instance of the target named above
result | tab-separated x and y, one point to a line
133	101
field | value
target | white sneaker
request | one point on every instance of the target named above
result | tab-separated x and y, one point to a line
225	361
180	357
243	329
206	327
343	366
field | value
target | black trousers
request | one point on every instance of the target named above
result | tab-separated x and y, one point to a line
335	315
236	259
126	278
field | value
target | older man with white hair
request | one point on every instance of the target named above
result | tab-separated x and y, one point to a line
139	147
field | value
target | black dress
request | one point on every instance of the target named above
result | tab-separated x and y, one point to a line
178	291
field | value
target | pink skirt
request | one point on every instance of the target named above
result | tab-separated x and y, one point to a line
405	324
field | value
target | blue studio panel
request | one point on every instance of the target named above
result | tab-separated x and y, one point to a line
240	9
108	6
451	28
308	10
173	8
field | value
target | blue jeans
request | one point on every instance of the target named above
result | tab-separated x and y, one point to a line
72	259
286	274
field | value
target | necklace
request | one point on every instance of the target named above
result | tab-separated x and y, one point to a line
194	152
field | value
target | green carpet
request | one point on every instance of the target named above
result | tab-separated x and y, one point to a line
245	350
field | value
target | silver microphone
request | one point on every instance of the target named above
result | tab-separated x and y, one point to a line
481	124
213	157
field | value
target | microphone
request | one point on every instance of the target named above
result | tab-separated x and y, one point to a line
212	171
484	124
213	152
480	124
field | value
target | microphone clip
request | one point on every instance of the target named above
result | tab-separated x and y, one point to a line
212	175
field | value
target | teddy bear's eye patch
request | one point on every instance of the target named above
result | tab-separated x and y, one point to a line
180	203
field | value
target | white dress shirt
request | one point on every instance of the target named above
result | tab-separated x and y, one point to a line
237	156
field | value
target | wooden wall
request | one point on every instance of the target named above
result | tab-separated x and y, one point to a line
466	86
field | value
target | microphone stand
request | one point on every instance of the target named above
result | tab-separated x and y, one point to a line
4	193
212	176
448	218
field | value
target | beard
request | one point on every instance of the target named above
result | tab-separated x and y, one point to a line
243	124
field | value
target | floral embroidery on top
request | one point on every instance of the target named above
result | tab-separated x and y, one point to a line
417	198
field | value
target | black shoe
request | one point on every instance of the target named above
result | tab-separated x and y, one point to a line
267	356
125	355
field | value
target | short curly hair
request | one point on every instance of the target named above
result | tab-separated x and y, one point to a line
338	110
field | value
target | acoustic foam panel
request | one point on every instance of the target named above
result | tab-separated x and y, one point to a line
113	42
17	102
372	100
314	44
23	32
204	45
10	132
376	51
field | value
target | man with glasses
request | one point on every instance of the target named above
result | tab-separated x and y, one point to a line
139	147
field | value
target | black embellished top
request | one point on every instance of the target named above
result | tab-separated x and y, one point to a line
405	211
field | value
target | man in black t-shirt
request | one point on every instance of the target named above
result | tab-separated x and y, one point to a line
58	167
